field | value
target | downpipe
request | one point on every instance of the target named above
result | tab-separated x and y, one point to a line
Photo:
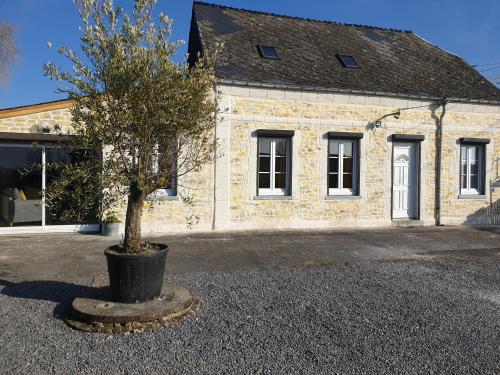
439	150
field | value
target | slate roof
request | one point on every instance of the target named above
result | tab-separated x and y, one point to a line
392	61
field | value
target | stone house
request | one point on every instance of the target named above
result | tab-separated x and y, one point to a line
326	125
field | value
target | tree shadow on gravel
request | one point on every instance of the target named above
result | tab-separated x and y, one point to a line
52	291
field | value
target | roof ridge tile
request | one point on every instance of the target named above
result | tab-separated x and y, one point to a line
302	18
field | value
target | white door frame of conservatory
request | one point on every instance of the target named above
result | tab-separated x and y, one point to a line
71	228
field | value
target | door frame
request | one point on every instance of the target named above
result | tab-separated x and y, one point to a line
44	228
415	139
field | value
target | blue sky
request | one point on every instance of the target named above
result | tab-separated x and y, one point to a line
470	29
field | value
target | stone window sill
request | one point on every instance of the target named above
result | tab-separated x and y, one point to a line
342	197
472	196
273	198
163	198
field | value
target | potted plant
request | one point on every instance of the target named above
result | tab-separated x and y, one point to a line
153	119
111	224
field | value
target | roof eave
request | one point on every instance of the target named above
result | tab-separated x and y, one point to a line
35	108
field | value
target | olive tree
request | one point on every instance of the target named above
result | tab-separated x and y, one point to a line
152	117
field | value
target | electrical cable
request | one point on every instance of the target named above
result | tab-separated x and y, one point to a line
475	66
486	70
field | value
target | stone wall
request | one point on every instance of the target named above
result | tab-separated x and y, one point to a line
230	201
33	122
311	116
168	214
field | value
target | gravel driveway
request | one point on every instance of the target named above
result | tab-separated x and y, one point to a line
413	316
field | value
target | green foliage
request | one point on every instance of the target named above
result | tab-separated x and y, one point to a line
71	191
111	218
149	115
191	218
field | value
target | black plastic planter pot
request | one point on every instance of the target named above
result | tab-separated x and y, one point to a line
135	278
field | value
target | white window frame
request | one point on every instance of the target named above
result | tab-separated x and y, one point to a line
45	227
166	192
172	192
470	148
273	191
355	175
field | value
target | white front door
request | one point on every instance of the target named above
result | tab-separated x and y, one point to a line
404	181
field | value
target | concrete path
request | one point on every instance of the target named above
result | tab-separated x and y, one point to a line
77	257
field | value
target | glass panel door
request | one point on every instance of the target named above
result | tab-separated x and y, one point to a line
20	186
77	198
25	173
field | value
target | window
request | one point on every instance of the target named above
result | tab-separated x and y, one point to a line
273	166
267	52
26	175
471	169
170	189
343	167
348	61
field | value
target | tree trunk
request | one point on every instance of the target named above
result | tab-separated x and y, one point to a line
132	241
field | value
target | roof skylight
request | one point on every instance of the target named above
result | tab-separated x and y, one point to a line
268	52
348	61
